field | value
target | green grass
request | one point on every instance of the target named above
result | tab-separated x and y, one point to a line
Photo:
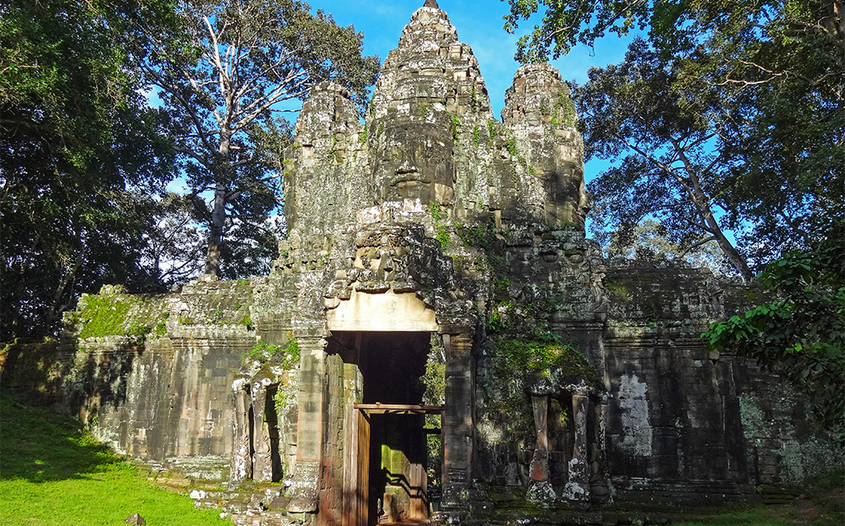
52	473
752	517
814	512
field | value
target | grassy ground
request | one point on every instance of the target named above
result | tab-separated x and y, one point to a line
52	473
821	503
783	515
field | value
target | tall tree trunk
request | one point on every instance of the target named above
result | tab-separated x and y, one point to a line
729	250
215	233
218	211
702	202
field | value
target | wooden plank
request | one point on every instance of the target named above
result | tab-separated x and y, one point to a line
400	409
363	490
350	469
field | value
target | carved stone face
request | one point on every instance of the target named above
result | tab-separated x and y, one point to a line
412	158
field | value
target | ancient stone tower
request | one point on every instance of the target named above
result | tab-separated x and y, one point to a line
393	223
438	339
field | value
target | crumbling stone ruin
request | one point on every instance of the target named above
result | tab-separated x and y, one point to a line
438	340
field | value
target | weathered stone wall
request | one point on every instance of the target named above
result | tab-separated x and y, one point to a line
687	422
675	428
151	376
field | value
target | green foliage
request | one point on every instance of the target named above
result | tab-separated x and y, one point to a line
671	174
434	382
175	248
66	477
434	378
262	351
281	401
495	323
216	316
443	236
650	240
436	210
514	151
511	146
291	353
441	229
564	110
492	129
104	315
456	128
801	333
514	361
745	122
476	135
82	157
483	236
543	354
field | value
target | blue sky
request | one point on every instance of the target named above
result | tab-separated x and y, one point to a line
479	24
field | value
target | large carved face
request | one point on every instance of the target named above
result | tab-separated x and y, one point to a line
412	158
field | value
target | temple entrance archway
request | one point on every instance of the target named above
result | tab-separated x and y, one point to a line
387	458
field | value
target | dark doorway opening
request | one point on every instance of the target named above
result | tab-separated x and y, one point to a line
391	365
272	421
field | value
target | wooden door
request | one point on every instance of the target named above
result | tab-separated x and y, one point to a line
356	483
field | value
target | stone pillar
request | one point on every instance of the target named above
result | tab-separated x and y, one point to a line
305	482
540	490
262	461
578	487
598	467
240	468
457	425
539	468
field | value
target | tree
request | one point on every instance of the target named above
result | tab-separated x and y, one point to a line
766	78
80	155
670	170
800	332
245	58
175	246
650	240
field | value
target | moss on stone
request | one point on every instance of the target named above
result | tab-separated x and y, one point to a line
115	313
564	110
541	354
513	364
287	356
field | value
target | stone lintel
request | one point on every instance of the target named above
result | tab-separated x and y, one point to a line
385	312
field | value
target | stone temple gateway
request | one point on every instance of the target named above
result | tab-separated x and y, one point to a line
438	341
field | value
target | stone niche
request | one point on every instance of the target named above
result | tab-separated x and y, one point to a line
362	380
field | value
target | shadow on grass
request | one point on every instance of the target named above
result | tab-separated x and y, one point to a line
40	445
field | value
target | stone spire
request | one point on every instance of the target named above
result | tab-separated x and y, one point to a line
427	84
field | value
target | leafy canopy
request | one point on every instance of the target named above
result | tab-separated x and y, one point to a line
80	154
670	168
